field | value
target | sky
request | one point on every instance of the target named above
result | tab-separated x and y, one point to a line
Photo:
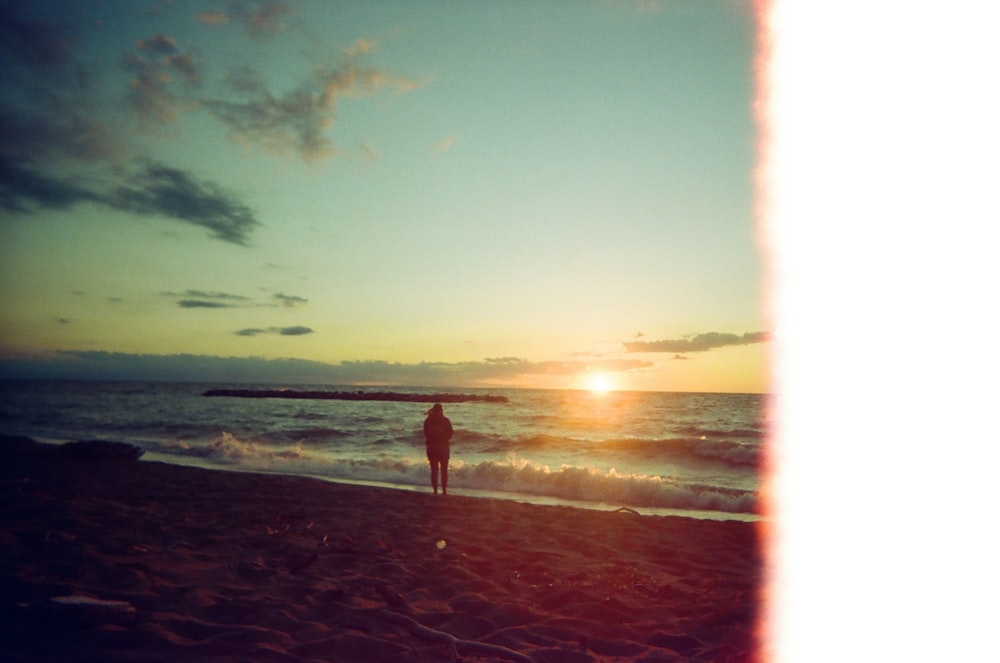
529	194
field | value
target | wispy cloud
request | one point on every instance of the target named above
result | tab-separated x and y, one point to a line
444	144
297	330
152	190
174	193
195	298
204	294
697	342
156	62
212	18
201	303
299	120
290	301
59	150
261	18
50	123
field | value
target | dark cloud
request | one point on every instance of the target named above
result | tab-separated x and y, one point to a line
154	190
200	303
113	365
697	342
193	298
173	193
290	301
48	108
50	122
25	190
283	331
202	294
298	330
31	137
157	45
39	45
203	299
471	372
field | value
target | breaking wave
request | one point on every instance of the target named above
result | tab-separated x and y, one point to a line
514	475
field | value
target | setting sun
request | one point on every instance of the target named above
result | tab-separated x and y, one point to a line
599	382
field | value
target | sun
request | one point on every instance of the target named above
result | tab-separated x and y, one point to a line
599	383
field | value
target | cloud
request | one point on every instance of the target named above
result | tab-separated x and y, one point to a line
212	18
198	303
35	44
156	62
361	46
444	144
49	119
159	190
261	18
34	135
283	331
299	120
199	368
489	369
208	295
48	108
290	301
202	299
298	330
193	298
370	152
697	342
24	190
152	190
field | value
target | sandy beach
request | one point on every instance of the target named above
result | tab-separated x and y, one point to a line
108	558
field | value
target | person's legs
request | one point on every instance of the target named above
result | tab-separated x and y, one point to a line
444	476
434	475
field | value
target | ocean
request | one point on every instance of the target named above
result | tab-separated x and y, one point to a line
692	454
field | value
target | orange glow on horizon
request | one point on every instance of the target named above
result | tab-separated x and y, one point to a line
600	383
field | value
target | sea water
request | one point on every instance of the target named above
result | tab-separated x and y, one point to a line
693	454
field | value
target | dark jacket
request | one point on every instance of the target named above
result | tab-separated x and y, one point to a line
437	433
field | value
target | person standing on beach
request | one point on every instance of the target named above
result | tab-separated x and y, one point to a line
437	433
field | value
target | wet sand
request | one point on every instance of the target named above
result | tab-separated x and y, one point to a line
170	563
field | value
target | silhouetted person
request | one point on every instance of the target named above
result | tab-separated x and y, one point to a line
437	433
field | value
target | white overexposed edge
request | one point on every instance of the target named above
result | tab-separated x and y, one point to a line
878	193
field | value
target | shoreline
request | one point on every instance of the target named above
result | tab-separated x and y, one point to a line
472	493
545	500
229	565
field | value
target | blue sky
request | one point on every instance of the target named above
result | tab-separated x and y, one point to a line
564	189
